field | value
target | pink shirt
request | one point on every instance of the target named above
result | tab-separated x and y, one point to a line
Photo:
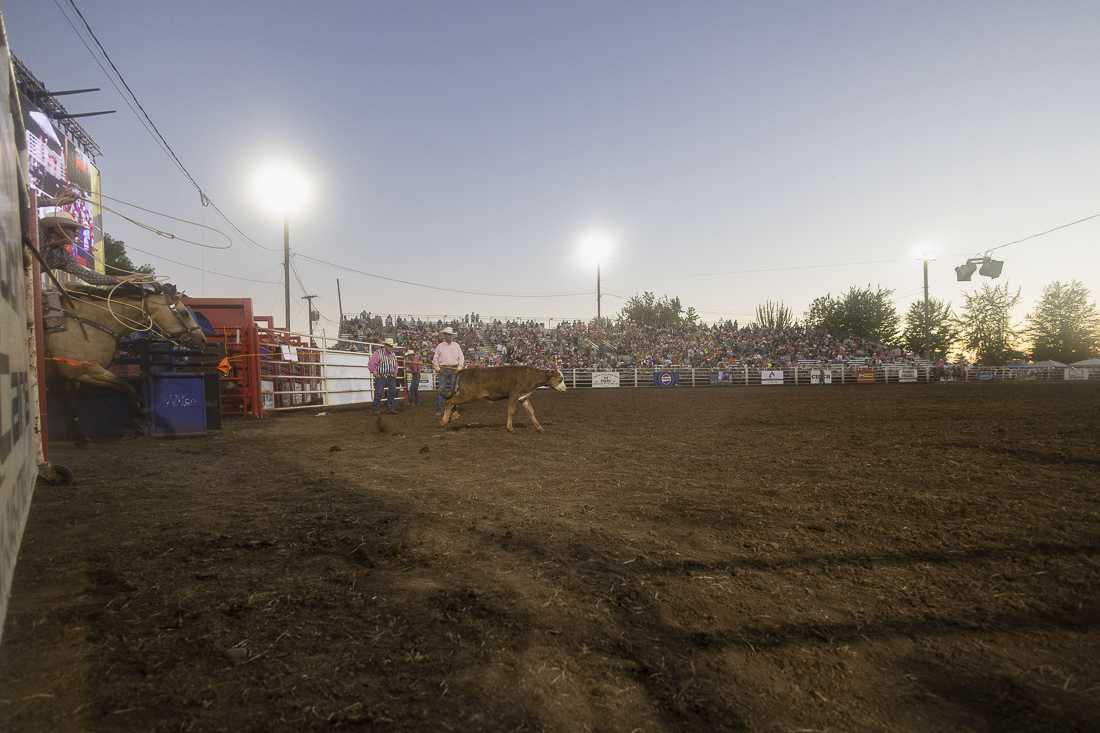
448	354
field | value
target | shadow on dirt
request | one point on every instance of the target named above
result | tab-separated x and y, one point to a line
994	700
1022	551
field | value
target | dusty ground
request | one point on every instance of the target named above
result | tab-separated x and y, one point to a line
914	557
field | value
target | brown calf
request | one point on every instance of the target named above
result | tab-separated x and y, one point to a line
513	383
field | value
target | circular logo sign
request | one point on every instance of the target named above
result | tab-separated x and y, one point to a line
666	378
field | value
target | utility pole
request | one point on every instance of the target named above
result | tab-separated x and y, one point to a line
925	287
309	308
340	305
286	270
598	314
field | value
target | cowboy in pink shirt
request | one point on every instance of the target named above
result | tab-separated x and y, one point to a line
446	360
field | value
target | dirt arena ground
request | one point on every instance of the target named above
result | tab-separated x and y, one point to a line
914	557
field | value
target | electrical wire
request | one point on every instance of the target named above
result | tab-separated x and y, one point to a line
1048	231
438	287
107	74
202	269
795	267
147	121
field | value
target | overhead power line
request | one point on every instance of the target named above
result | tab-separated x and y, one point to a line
822	266
1067	225
145	119
201	269
439	288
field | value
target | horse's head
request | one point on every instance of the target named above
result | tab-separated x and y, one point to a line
173	318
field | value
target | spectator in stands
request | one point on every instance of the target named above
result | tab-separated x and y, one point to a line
447	360
383	365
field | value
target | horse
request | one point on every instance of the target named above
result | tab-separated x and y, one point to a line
93	320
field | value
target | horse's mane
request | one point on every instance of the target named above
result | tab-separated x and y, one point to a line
125	290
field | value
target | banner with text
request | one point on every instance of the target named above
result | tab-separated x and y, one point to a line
665	378
18	470
605	379
1075	373
771	376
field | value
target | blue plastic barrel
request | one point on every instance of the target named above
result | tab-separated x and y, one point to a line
177	404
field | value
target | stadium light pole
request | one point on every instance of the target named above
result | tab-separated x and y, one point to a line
594	248
283	190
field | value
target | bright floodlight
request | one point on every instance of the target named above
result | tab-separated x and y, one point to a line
595	247
281	188
925	251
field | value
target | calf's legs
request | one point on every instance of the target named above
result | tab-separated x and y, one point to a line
531	411
511	413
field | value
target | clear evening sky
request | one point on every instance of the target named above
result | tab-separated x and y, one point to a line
471	144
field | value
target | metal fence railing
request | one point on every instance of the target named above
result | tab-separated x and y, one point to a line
805	375
298	371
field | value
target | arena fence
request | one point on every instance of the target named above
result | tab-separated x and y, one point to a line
298	371
809	375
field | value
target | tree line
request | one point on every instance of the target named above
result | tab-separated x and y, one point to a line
1064	325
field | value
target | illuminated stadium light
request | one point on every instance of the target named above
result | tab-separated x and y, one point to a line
281	188
991	268
595	247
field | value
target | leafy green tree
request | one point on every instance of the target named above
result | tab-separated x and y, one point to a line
116	259
1064	326
985	324
649	310
774	315
930	330
867	312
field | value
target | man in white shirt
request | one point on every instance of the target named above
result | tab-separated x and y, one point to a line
446	361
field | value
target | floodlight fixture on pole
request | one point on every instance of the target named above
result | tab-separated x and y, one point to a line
282	189
594	248
990	268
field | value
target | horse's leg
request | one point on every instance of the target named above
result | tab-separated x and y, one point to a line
72	404
100	377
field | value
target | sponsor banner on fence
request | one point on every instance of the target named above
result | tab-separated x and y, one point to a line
347	379
865	375
427	381
18	469
984	376
722	376
605	379
821	376
771	376
907	374
665	378
1075	373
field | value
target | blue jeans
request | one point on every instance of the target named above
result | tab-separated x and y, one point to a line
414	388
444	387
382	384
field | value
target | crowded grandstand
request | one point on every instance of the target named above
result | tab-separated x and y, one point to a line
620	343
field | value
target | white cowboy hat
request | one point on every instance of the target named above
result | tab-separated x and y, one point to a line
389	342
410	352
449	331
58	217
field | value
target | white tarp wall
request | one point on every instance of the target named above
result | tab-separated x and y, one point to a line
347	379
18	455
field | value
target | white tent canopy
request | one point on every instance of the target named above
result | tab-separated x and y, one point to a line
1088	363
